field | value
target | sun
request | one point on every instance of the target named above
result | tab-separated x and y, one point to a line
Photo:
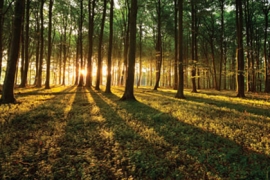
83	72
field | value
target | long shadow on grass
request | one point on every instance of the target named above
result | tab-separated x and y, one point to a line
83	151
22	147
216	156
219	103
137	156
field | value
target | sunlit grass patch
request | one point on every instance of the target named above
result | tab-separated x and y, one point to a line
81	133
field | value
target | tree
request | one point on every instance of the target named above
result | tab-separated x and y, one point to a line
158	46
180	90
129	88
39	77
91	15
25	66
109	76
99	64
47	83
194	45
266	10
81	43
13	56
1	34
240	51
175	85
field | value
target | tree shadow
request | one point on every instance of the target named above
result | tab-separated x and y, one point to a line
24	138
213	155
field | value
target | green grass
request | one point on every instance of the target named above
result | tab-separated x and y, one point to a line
80	133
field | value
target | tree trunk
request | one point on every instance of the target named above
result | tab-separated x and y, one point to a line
158	47
26	47
77	61
180	91
266	63
47	84
1	34
240	51
37	47
126	43
129	88
140	63
81	45
109	76
99	64
13	56
91	9
175	85
39	80
221	44
64	46
193	46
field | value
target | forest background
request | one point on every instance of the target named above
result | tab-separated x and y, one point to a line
62	40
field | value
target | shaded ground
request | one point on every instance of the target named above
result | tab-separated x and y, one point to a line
80	133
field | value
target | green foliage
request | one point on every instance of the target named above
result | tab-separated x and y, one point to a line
79	133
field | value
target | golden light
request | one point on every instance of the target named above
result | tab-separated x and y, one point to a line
83	72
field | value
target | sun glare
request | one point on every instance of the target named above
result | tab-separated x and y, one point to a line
83	72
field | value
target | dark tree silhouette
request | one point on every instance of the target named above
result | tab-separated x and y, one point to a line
129	88
180	91
13	56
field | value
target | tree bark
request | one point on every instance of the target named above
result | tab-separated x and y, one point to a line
109	76
129	88
240	51
158	47
91	15
175	85
266	60
1	34
99	64
81	45
13	56
180	90
47	83
26	47
39	79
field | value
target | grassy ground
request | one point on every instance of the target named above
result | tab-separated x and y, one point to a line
80	133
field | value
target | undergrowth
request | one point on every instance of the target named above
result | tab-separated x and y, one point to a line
80	133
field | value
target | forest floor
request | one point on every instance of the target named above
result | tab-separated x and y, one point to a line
80	133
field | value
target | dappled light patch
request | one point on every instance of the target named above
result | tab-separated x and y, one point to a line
80	133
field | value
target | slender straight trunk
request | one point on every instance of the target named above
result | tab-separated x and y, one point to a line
13	54
37	47
81	45
140	58
175	85
91	15
1	34
221	44
126	43
64	46
47	83
180	91
39	80
26	47
158	47
240	51
109	75
266	63
129	88
60	59
99	64
22	52
193	46
77	61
